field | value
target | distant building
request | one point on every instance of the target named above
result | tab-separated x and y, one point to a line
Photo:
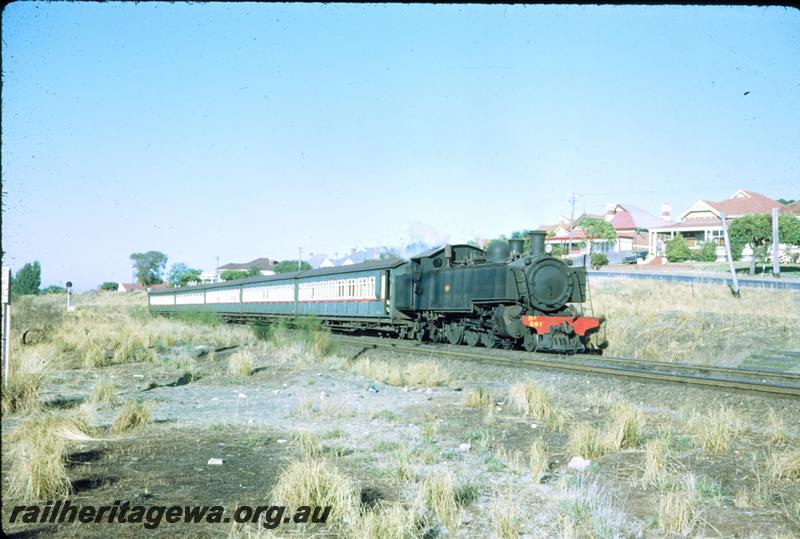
320	261
630	222
701	222
358	256
265	265
131	287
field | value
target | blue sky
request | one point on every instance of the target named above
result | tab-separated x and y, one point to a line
247	130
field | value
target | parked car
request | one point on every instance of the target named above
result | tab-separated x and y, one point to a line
634	257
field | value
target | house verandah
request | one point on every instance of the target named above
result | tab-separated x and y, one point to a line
695	234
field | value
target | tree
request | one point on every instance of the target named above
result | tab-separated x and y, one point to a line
233	275
789	229
53	289
596	229
109	285
149	266
180	275
286	266
754	229
28	279
677	250
786	201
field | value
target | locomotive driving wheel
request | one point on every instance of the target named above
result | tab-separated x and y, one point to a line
472	337
454	333
489	340
530	341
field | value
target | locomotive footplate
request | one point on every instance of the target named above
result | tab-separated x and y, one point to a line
582	325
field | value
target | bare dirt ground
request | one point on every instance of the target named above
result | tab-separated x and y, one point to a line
389	440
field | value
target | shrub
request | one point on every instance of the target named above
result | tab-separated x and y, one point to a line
109	285
706	253
599	260
677	250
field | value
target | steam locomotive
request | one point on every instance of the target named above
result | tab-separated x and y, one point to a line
460	294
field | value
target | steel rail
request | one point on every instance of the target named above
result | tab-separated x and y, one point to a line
755	373
584	367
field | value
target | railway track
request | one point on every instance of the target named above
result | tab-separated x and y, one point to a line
769	382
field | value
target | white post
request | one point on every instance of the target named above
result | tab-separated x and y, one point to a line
776	263
735	287
6	300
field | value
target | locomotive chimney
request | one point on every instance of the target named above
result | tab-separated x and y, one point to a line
516	247
537	242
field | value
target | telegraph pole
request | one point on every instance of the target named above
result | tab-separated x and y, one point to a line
776	262
299	258
572	198
216	272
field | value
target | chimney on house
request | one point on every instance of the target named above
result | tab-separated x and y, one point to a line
610	211
666	211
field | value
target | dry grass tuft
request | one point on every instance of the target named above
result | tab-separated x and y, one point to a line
37	469
22	393
716	429
656	459
103	393
477	398
625	426
538	459
384	521
678	507
775	427
530	399
589	511
419	374
252	531
310	444
507	515
134	414
585	441
316	482
438	494
783	465
241	363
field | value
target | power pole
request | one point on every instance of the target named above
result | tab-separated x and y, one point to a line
216	272
572	198
735	287
776	263
299	258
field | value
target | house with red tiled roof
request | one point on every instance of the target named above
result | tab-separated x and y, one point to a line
701	222
630	222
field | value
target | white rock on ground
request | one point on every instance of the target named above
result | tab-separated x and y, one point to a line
578	463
